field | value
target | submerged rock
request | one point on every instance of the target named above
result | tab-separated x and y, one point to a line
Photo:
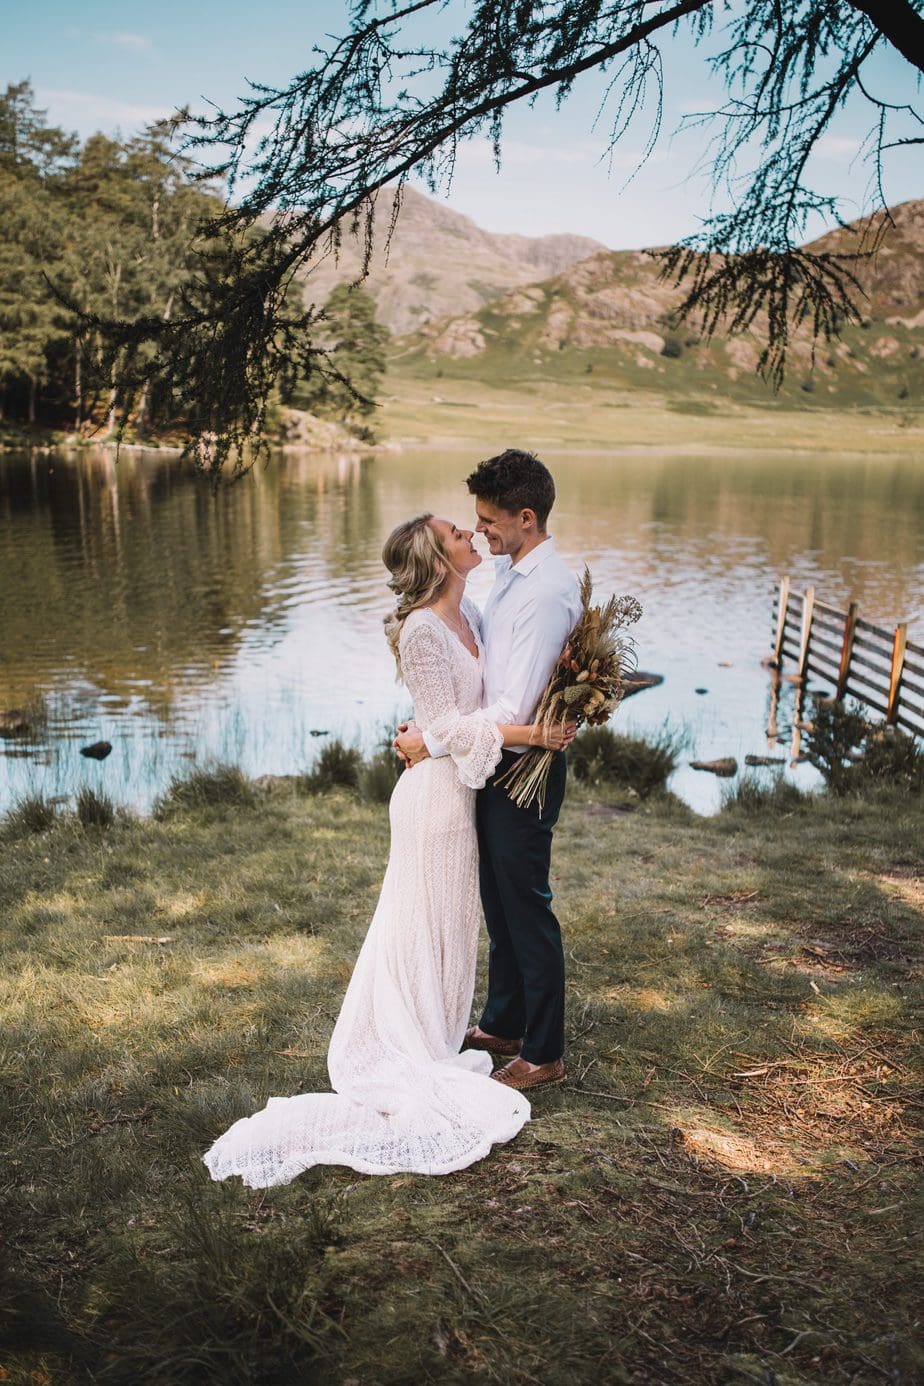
98	751
726	765
13	722
640	681
765	760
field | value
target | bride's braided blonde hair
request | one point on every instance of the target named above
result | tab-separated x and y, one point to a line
419	568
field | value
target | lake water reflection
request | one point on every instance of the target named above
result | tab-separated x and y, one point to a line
142	609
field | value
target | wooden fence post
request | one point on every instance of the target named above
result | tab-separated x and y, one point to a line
850	630
808	611
895	675
781	621
773	730
894	691
798	724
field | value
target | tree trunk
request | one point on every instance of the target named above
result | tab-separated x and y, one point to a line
32	399
78	383
115	278
145	397
111	417
900	23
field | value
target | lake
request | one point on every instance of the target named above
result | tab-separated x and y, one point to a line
181	625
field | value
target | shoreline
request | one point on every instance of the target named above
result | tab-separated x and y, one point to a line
582	420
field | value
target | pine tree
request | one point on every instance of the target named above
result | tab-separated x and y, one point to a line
346	380
33	158
106	230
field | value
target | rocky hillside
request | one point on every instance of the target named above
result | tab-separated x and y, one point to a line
440	263
610	312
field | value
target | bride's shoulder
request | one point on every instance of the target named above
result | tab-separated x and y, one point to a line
421	619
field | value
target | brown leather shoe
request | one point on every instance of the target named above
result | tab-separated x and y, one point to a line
516	1075
477	1039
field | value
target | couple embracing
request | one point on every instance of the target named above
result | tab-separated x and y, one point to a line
413	1084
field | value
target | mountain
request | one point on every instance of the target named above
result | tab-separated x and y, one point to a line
440	263
611	313
893	276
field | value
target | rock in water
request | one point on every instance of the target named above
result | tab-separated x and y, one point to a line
98	751
765	760
13	722
639	680
727	765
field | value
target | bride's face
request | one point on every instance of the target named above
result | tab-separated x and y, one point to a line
457	546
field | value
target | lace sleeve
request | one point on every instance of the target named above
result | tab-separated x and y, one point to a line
473	740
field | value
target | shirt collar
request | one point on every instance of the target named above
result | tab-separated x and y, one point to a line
535	556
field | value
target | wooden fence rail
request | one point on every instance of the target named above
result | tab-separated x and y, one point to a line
878	667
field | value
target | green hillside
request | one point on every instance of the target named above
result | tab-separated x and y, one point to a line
610	317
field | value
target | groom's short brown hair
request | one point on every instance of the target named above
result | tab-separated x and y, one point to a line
514	480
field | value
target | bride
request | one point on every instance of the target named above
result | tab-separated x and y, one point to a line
405	1098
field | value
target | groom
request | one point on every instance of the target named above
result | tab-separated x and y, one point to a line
530	612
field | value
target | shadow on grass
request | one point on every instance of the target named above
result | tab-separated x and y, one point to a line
721	1192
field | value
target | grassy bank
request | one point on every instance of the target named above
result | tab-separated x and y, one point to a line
723	1191
451	407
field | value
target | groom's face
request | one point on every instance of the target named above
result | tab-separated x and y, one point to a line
503	531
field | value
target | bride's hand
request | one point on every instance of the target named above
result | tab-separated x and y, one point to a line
557	737
410	745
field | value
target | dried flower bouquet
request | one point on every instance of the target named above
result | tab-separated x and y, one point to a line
586	685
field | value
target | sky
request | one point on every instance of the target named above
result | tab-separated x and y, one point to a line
116	65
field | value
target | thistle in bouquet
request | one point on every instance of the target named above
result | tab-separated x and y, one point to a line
586	684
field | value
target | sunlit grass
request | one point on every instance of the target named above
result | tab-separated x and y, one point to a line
470	402
721	1191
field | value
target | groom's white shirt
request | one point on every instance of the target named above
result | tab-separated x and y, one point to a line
530	612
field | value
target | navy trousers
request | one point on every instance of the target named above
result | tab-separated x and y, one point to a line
526	968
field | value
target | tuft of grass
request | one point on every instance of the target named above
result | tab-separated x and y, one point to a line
33	814
214	786
378	775
337	767
94	809
599	755
751	795
242	1294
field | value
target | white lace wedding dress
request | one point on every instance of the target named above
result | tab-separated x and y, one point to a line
404	1098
